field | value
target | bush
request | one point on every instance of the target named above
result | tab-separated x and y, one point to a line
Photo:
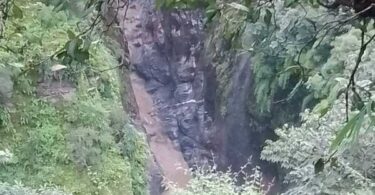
210	181
134	148
299	148
18	189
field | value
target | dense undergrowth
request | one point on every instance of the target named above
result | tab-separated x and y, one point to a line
209	180
67	132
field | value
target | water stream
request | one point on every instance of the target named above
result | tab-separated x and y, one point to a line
169	158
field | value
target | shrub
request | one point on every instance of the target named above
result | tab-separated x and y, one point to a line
18	189
210	181
299	149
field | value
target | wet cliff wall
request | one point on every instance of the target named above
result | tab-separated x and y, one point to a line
202	88
165	48
240	128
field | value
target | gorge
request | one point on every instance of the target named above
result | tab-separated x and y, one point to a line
187	97
178	59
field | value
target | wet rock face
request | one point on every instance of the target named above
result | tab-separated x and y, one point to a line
183	77
165	47
155	178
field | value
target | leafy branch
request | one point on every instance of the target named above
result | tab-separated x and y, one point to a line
351	85
74	43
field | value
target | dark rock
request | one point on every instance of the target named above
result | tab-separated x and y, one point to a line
184	92
137	44
153	66
172	133
138	25
152	86
186	73
186	143
155	178
163	96
168	59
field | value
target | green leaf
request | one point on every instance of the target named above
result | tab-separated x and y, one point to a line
67	60
210	14
342	134
17	12
369	108
61	54
60	5
289	3
72	46
86	44
323	107
239	6
255	15
268	17
353	135
314	3
357	101
71	34
81	56
17	65
319	166
353	125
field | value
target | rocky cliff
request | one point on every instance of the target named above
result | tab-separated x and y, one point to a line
165	49
202	89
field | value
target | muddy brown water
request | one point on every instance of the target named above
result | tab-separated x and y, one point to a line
169	158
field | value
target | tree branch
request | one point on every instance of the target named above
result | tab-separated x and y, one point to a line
351	84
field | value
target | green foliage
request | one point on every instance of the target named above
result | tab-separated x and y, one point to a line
22	190
284	51
132	146
76	143
209	181
87	147
333	78
297	46
299	149
323	130
5	156
84	146
288	44
61	144
5	118
43	38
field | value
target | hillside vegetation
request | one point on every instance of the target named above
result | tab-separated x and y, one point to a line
63	129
